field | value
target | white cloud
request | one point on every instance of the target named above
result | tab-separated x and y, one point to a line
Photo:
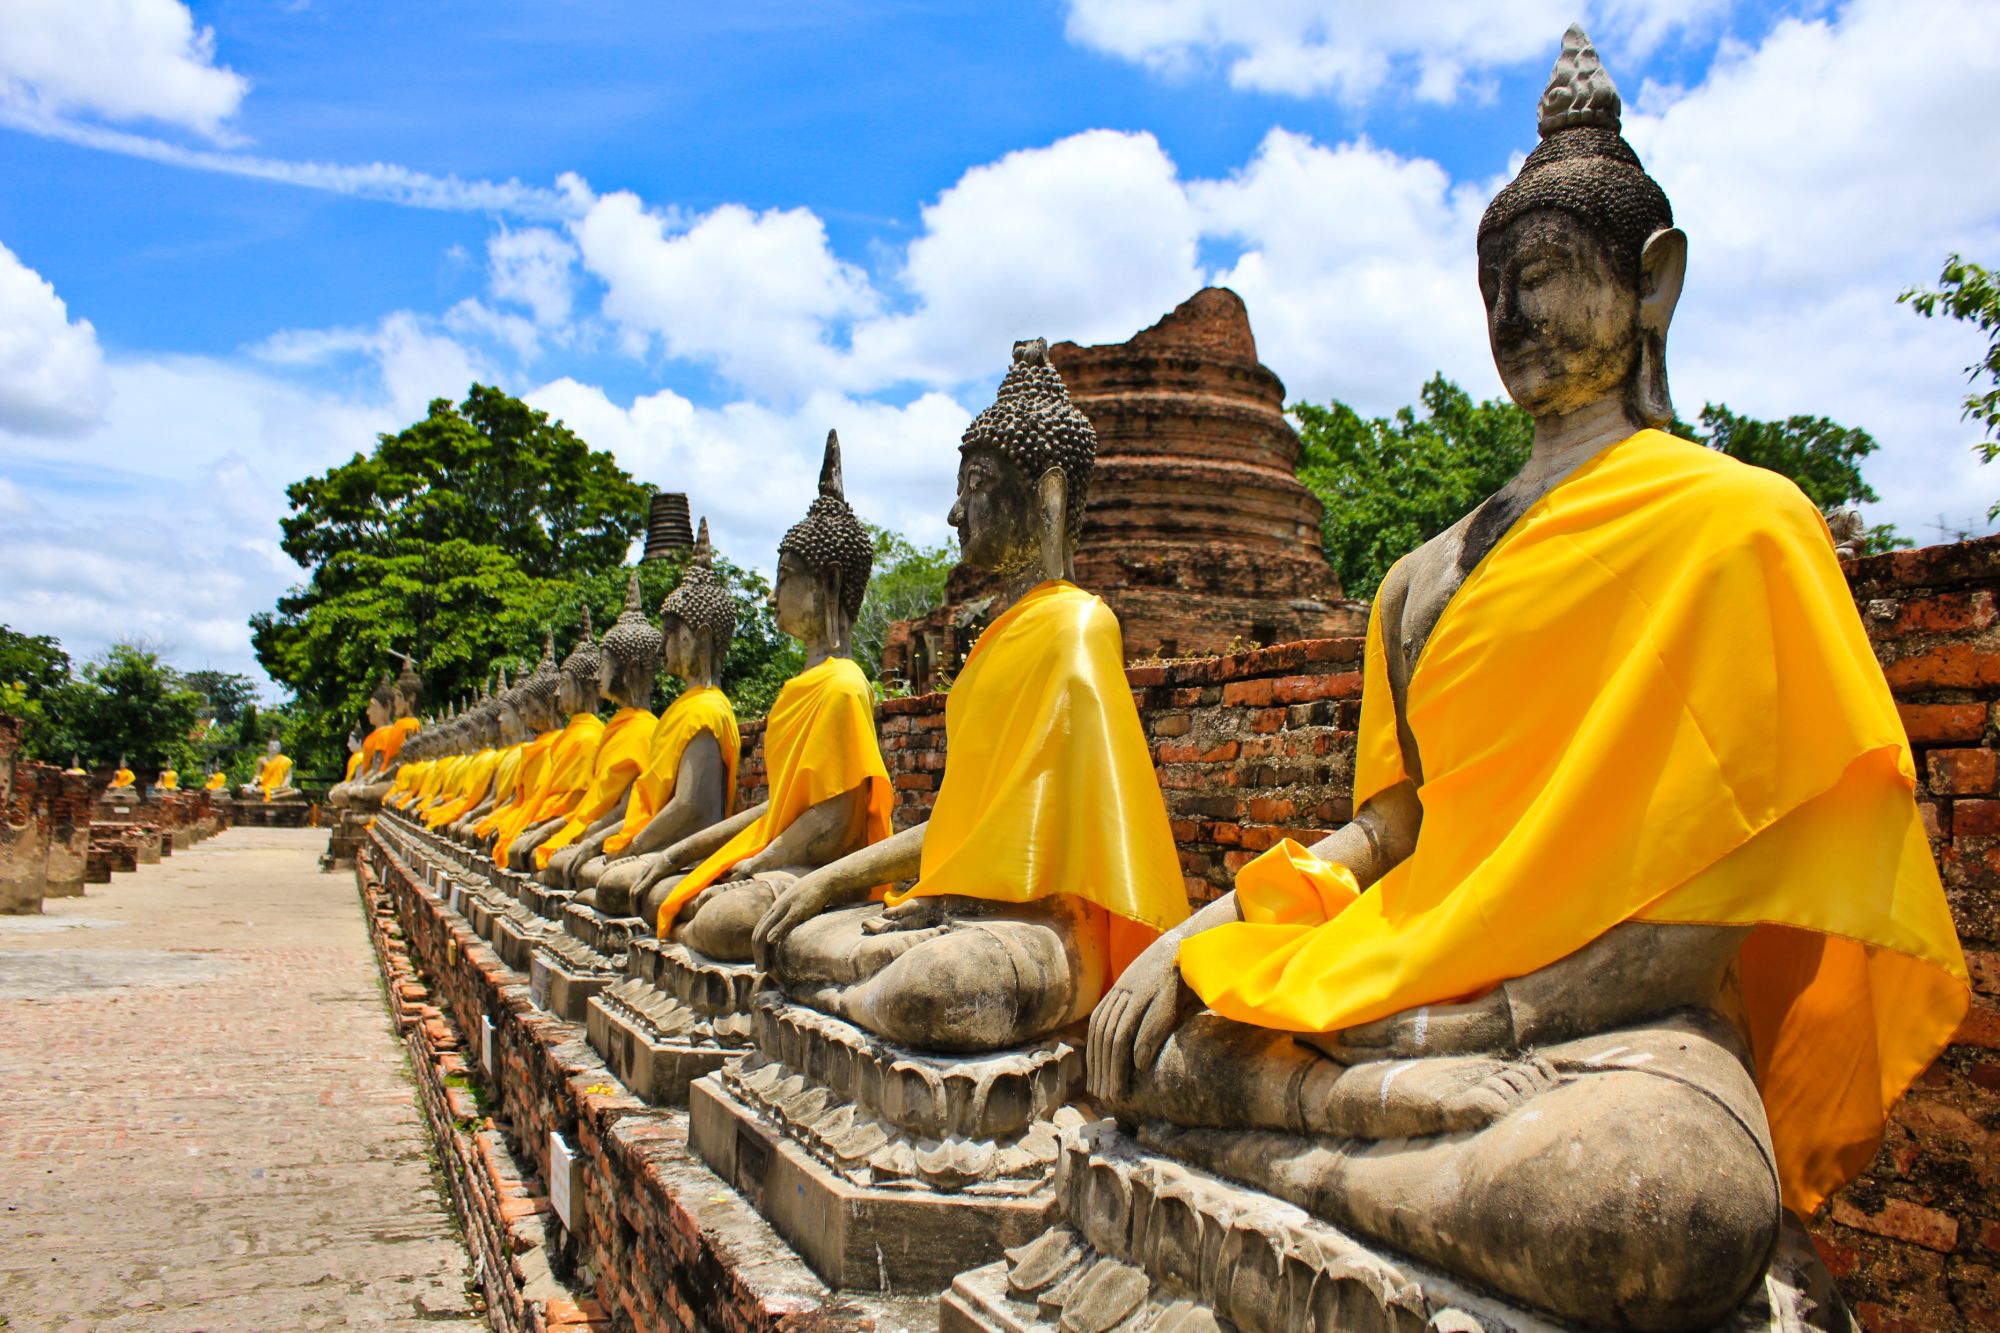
756	295
1090	238
120	59
1814	187
751	467
536	268
51	371
1360	51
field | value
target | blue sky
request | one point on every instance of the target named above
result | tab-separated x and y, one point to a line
243	237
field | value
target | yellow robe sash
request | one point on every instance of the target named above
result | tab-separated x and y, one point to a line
704	710
407	779
276	770
354	762
170	781
532	756
434	782
1049	785
474	781
563	780
620	755
819	742
124	777
1652	700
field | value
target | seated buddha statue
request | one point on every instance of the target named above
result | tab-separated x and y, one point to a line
392	712
123	789
534	703
1047	863
497	730
1635	934
217	781
829	787
571	758
626	663
467	747
688	778
274	776
169	780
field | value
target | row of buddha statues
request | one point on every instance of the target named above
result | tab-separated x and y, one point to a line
1632	941
270	781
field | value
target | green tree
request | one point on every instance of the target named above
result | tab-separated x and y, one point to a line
1971	293
127	703
908	582
431	545
1389	484
34	662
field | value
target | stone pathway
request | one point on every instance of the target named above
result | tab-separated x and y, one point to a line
206	1122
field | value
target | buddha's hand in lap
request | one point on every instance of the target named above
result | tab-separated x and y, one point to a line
1480	1027
793	907
1135	1018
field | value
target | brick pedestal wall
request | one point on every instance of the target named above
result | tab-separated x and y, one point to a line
44	827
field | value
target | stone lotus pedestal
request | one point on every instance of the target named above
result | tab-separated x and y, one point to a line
1148	1244
887	1169
673	1017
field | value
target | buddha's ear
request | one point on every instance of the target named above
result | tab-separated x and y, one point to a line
1662	271
1052	495
830	611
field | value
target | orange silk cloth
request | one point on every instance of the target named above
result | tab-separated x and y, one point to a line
1049	784
124	777
467	789
437	774
818	743
1653	700
385	743
698	711
277	770
564	779
531	758
620	755
170	781
408	779
216	782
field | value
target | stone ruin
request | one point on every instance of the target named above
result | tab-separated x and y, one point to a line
1198	533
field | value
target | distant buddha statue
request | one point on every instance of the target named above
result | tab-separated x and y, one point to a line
534	705
572	758
829	787
124	777
510	735
629	661
474	781
170	780
392	716
688	780
1047	863
1635	934
122	790
217	781
273	780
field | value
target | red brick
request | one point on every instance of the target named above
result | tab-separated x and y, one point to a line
1143	676
1307	689
1267	720
1975	819
1248	694
1949	613
1876	1318
1936	724
1984	965
1936	820
1902	1220
1963	772
913	781
1952	666
1989	1235
1981	1026
1840	1260
1173	724
1272	809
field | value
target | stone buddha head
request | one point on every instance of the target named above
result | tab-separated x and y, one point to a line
1580	264
576	690
1024	474
509	725
823	567
381	703
535	697
408	692
698	619
630	654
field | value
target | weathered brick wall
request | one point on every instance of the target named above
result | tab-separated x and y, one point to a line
1254	747
44	827
1916	1241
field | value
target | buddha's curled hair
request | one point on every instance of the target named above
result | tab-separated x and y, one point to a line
830	538
705	606
1034	425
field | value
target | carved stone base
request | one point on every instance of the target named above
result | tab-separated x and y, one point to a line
516	933
564	974
881	1165
675	1017
1148	1245
607	935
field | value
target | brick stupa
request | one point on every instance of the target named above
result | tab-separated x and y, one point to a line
1199	533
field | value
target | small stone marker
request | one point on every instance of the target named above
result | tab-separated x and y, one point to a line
562	1180
538	982
486	1045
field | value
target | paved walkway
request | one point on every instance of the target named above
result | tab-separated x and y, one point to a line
205	1118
